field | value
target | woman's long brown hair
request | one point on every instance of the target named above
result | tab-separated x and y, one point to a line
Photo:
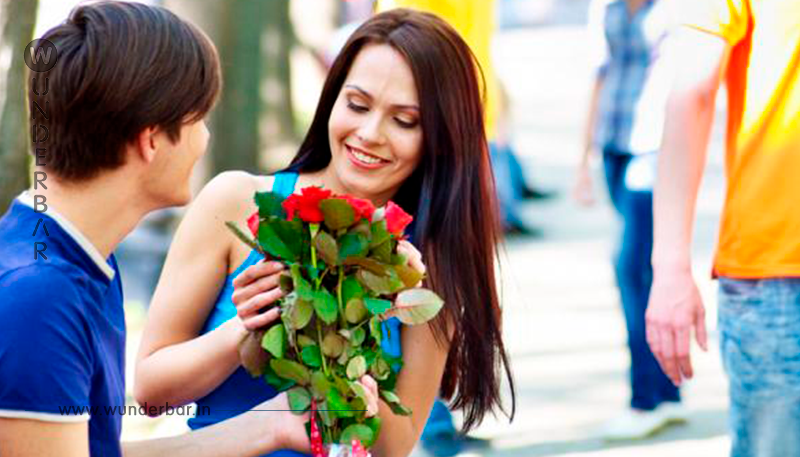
451	195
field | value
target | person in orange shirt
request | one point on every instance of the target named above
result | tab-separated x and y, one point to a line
754	47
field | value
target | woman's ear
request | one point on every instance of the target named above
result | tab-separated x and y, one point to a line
145	145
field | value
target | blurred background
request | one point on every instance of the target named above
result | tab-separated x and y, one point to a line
562	323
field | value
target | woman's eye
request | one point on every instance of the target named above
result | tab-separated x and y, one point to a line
406	124
357	108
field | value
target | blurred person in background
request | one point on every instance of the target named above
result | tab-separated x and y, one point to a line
754	47
625	114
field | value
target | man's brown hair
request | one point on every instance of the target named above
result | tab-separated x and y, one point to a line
122	67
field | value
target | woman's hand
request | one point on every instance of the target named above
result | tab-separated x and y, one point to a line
413	257
255	289
371	386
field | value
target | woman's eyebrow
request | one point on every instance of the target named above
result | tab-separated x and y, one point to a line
370	97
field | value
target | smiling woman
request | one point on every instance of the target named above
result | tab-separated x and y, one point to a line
400	117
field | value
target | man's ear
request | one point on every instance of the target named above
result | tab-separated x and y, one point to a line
145	144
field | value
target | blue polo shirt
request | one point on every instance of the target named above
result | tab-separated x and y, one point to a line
62	327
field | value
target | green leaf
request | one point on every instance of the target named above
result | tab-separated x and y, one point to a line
380	369
274	340
325	306
375	329
360	432
301	313
357	367
352	245
286	283
394	402
269	204
359	391
328	417
292	233
304	341
301	286
379	234
299	399
337	403
383	251
351	289
363	227
280	384
355	311
327	248
320	385
416	306
333	345
293	371
381	285
374	423
243	237
338	213
377	305
253	357
357	336
410	276
380	269
272	243
311	356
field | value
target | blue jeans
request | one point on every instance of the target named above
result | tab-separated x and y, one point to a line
509	182
759	325
630	185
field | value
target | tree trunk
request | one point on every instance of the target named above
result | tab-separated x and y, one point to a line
17	19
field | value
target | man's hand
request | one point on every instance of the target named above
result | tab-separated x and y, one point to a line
675	308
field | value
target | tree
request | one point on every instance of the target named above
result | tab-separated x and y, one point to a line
17	19
254	38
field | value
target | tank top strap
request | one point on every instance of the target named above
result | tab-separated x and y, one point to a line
284	183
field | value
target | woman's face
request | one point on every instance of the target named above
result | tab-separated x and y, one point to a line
374	128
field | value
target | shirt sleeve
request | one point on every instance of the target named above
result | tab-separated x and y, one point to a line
728	19
597	44
45	352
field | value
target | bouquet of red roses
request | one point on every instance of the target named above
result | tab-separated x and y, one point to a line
344	278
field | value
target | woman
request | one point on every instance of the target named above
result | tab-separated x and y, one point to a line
399	118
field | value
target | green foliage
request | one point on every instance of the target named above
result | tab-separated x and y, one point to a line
344	277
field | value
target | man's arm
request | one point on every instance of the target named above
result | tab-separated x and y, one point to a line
268	428
675	305
28	438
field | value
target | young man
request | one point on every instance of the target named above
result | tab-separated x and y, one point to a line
754	46
117	128
626	109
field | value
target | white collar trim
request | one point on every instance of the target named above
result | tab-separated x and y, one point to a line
76	235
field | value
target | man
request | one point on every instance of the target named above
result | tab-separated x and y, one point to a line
118	127
754	46
627	102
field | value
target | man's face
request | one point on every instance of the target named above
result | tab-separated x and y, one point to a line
168	181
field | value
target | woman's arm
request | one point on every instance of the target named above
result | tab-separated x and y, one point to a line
417	386
175	365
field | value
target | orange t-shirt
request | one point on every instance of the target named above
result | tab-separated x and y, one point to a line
760	229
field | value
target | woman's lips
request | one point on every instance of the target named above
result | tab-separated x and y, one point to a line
364	160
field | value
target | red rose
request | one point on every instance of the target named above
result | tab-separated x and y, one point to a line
252	223
306	204
396	219
363	208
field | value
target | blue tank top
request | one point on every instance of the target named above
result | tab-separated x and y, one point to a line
241	392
